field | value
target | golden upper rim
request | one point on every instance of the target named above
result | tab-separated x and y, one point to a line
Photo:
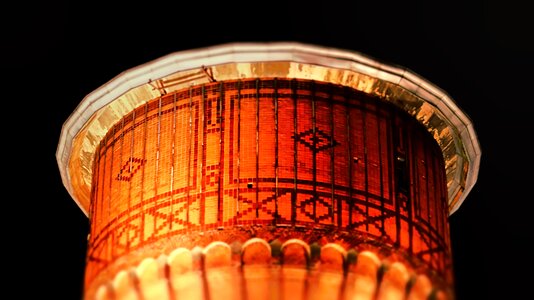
100	110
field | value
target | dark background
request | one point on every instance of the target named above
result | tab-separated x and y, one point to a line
479	52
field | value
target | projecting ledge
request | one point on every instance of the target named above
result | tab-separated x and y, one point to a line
104	107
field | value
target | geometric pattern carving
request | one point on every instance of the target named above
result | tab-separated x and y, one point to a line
318	142
130	168
321	204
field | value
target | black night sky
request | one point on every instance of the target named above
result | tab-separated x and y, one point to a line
479	52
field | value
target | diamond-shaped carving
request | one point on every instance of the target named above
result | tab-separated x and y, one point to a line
130	168
322	204
318	142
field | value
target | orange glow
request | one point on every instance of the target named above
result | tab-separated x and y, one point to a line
229	168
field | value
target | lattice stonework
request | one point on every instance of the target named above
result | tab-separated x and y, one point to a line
249	158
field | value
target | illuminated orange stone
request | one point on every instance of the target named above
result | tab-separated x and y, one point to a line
269	188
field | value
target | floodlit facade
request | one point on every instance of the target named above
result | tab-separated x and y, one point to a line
268	170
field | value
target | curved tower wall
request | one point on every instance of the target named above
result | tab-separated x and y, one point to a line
274	159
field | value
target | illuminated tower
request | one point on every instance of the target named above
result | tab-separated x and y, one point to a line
268	171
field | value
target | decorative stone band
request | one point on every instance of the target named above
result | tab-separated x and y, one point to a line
261	270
